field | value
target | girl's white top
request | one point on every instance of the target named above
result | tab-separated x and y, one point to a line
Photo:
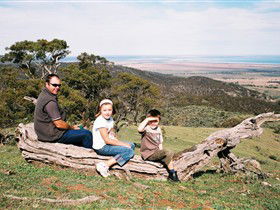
100	122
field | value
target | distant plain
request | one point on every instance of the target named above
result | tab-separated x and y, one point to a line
264	78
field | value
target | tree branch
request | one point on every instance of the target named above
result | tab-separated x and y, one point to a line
87	199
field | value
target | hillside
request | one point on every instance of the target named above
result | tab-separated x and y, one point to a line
197	90
209	189
195	85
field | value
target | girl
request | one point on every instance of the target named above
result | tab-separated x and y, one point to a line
105	141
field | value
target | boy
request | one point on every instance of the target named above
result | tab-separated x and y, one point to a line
151	143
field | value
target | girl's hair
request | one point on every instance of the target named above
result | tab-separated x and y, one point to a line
99	109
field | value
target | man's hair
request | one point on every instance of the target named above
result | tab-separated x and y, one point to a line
154	113
49	76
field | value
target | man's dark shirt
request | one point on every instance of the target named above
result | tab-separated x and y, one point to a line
44	116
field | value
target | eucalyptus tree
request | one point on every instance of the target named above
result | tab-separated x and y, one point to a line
86	60
37	57
133	97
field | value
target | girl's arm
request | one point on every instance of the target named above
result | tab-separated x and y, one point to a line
116	142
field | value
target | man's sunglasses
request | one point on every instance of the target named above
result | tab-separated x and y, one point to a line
56	85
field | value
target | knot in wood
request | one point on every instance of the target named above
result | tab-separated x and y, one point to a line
219	141
253	121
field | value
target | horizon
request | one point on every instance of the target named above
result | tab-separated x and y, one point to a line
215	59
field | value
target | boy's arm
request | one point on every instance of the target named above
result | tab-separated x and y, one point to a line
143	124
161	140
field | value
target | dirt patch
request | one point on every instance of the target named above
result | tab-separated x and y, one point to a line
123	200
48	181
79	187
234	181
165	202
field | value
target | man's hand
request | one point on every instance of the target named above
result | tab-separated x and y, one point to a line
75	127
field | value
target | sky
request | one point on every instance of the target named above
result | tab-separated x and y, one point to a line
147	27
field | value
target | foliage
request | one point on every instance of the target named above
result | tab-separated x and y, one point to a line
199	100
42	56
87	60
200	116
14	109
77	104
90	84
196	90
133	96
73	103
91	81
277	130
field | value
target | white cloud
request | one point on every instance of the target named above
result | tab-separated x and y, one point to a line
116	28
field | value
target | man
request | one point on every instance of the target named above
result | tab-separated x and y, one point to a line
49	118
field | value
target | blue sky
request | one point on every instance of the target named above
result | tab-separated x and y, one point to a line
163	27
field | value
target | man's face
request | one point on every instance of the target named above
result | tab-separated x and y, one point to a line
54	85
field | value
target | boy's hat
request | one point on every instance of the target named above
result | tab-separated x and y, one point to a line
105	101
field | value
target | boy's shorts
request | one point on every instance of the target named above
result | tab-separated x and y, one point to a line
164	156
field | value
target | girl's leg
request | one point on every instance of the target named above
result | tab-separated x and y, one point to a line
117	151
121	156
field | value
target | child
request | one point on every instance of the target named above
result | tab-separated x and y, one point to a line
151	143
105	141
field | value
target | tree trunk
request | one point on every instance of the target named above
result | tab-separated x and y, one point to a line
187	162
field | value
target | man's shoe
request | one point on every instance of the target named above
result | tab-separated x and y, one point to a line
102	169
173	177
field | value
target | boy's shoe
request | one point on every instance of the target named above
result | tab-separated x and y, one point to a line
173	177
103	169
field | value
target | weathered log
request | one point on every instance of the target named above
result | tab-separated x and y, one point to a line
187	162
87	199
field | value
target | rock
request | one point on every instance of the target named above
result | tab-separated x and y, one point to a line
266	184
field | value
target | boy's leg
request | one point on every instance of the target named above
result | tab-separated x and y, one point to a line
166	157
77	137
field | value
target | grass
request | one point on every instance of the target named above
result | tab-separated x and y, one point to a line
207	190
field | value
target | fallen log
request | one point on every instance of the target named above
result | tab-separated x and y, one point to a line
187	162
87	199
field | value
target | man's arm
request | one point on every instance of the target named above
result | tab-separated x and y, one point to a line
53	111
64	125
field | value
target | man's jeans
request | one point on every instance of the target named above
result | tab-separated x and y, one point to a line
121	154
81	138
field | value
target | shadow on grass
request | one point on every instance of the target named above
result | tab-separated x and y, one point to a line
201	173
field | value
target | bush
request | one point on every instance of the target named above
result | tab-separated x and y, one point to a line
231	122
277	130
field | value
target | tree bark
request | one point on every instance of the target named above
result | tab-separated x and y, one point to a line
187	162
